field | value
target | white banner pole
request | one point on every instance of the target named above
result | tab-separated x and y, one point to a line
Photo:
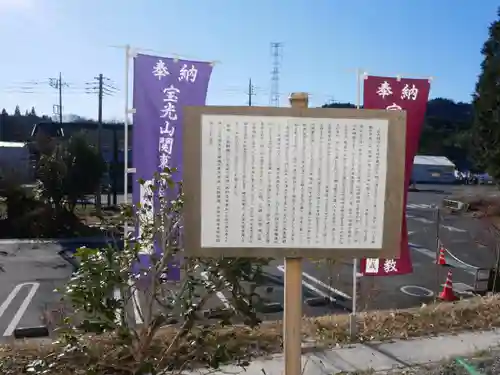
133	289
125	137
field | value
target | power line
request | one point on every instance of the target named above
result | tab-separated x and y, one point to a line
37	86
40	87
58	84
101	85
276	53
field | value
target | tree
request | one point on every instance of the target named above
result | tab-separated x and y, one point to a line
51	173
486	101
4	112
446	131
334	104
85	168
17	111
32	112
68	172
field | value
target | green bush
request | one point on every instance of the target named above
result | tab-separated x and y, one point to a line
103	288
66	172
70	172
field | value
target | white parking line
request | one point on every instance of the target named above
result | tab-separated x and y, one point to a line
427	221
419	206
22	309
219	295
423	220
136	306
453	229
321	283
432	255
117	295
313	288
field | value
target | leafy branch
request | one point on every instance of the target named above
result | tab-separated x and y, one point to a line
109	281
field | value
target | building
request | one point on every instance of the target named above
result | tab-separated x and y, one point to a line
433	170
15	163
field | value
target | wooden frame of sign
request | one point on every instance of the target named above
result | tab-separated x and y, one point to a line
205	126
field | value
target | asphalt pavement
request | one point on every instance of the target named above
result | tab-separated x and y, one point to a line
328	287
31	274
461	236
33	270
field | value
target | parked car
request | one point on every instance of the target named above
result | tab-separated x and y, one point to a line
484	179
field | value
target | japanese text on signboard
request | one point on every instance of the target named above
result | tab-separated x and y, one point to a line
169	114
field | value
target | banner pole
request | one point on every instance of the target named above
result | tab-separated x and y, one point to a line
438	230
125	136
438	246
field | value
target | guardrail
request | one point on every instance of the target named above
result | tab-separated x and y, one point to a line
483	277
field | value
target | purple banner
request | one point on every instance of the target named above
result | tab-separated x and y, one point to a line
162	87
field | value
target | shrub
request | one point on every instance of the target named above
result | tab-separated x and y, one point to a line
109	280
72	170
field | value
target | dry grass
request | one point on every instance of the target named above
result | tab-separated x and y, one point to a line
485	204
478	313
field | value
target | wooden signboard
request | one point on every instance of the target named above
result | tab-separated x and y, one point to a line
293	182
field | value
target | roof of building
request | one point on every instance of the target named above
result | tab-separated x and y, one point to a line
12	144
442	161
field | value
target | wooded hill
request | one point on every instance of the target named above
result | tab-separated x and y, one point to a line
446	132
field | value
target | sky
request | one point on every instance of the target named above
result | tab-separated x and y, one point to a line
324	43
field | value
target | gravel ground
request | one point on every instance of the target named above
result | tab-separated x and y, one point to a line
484	363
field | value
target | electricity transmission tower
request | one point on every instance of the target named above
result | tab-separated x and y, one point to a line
251	92
276	53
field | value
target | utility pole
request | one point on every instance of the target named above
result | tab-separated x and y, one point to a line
100	95
99	138
58	84
251	92
102	86
60	98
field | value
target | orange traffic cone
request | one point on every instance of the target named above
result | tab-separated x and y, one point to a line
447	293
441	260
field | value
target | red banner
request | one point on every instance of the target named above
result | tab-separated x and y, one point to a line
410	95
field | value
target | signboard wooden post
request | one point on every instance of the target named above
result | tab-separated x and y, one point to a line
292	314
292	183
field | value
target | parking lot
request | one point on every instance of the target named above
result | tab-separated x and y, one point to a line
33	270
31	274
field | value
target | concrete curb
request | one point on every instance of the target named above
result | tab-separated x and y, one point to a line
31	332
75	240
